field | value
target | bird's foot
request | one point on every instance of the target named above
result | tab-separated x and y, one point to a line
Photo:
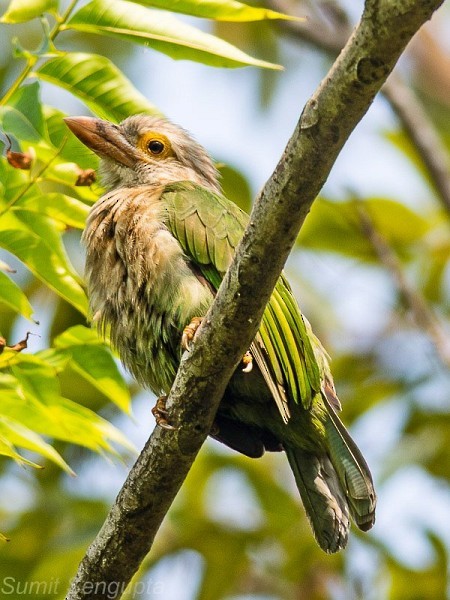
188	336
189	333
160	413
247	361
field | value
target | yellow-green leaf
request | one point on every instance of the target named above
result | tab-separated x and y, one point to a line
45	264
59	207
31	396
19	435
96	364
77	335
7	449
22	116
98	83
219	10
94	361
25	10
12	296
336	227
161	31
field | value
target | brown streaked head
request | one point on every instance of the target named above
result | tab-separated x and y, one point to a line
145	150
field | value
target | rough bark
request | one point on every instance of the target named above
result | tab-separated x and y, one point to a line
404	102
326	122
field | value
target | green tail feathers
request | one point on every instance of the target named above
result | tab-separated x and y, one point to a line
324	501
334	486
352	471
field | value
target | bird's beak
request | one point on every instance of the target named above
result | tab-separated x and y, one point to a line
104	138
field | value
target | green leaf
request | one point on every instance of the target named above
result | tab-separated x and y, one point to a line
398	223
44	228
25	10
219	10
98	83
31	396
94	361
22	436
42	261
7	449
235	186
163	32
434	267
22	117
59	207
12	182
13	297
54	357
335	227
77	335
96	365
71	149
67	173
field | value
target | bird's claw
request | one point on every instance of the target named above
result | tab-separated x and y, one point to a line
160	413
247	361
189	333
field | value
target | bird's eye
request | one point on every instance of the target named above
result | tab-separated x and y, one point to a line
155	147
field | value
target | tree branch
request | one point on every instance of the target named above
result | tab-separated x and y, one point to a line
423	315
403	101
326	26
326	122
421	131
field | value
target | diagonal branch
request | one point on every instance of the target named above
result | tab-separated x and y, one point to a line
404	102
421	131
423	315
326	122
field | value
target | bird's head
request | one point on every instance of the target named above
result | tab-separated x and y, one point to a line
144	150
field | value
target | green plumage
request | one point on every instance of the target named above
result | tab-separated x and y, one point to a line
158	245
211	227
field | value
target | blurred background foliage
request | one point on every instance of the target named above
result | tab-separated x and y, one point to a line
371	271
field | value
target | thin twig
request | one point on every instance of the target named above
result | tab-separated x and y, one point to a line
326	25
414	300
422	134
33	58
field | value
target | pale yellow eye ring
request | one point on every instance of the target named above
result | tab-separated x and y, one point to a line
155	145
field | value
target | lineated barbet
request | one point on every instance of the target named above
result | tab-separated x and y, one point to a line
158	244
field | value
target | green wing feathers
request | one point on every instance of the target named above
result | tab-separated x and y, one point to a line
209	228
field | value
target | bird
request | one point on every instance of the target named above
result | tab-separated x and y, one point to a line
158	243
